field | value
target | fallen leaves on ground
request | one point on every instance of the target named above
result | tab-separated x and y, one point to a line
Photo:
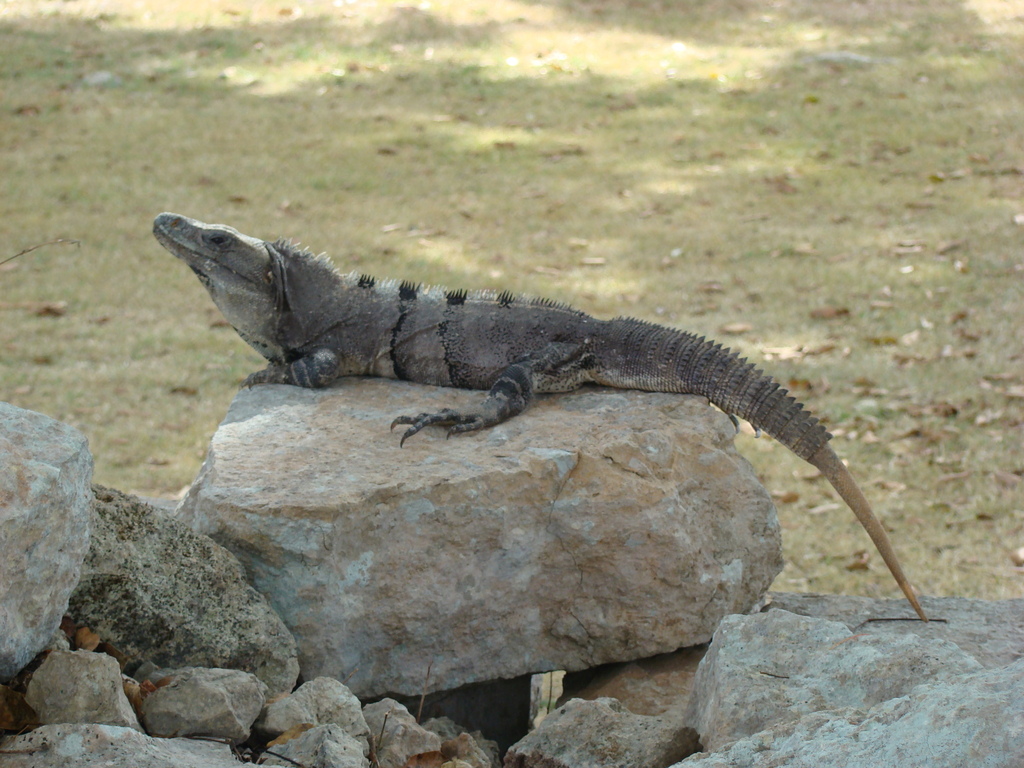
15	713
294	732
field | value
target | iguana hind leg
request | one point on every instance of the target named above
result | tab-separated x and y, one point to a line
555	368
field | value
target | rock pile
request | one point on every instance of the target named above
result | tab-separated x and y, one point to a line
452	553
320	725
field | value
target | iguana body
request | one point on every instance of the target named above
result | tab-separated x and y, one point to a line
315	325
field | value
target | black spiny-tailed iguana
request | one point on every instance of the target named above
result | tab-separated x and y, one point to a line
314	325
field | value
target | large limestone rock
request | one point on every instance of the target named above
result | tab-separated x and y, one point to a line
599	526
991	631
160	592
773	667
972	720
45	470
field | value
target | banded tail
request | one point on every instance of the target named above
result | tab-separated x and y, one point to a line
641	355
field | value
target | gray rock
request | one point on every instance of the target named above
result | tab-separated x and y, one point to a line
396	735
221	703
976	720
601	734
80	687
325	746
158	591
45	470
600	526
766	669
991	631
321	701
107	746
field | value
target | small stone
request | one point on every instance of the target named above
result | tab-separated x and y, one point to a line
325	746
320	702
219	703
102	79
80	687
396	735
601	734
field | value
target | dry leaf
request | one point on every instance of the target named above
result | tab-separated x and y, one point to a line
1006	479
786	497
293	732
86	639
432	759
1017	556
15	713
134	693
117	655
860	561
828	506
734	329
781	184
829	313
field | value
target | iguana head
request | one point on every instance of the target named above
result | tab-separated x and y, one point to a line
244	275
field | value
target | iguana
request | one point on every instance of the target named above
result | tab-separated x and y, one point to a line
314	325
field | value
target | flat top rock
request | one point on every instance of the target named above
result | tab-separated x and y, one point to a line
992	631
289	424
600	525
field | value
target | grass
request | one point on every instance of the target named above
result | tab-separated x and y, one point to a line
834	182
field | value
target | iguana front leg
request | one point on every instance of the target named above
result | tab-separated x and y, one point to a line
555	368
317	369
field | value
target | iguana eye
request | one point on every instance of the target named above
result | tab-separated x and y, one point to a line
218	240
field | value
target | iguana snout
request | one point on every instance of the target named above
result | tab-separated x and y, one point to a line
242	274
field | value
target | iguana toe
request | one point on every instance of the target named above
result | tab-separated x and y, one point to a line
447	417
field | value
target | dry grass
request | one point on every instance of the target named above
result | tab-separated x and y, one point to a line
841	177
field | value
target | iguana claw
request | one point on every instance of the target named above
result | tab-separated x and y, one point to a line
455	421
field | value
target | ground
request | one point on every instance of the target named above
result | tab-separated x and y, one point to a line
834	188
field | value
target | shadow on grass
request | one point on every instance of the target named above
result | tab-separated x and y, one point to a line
730	22
369	125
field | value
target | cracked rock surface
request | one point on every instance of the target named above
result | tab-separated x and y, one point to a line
598	526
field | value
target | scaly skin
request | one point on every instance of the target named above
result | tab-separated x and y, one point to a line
315	325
